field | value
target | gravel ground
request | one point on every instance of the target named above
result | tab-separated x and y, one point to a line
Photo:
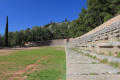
81	67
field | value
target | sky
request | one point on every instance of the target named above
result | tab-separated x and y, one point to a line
23	14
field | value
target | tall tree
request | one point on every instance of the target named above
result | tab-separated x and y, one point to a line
65	19
6	33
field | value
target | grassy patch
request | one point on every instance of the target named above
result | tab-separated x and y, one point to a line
87	54
118	40
93	74
100	53
93	62
94	57
104	60
75	49
110	54
48	74
118	55
118	72
114	64
52	68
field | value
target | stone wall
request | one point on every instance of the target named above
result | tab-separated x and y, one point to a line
103	39
54	42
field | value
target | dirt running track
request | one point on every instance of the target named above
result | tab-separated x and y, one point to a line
27	70
7	51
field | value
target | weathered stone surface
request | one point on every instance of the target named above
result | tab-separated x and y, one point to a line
109	58
81	67
101	37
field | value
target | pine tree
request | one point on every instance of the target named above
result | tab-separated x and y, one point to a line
6	33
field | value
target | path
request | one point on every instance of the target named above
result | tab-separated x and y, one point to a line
81	67
28	69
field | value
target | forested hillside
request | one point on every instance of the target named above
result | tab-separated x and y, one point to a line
97	12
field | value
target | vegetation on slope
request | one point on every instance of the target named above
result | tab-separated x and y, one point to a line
97	12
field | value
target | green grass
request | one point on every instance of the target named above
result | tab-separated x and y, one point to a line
52	68
47	74
93	74
114	64
104	60
100	53
118	40
93	62
110	54
118	72
87	54
118	55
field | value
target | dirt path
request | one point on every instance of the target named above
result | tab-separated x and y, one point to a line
7	51
81	67
27	70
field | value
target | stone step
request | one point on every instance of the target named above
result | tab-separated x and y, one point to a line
81	67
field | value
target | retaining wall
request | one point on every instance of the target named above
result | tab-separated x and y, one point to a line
54	42
103	39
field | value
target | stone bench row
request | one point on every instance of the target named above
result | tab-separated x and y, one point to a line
101	44
109	31
101	57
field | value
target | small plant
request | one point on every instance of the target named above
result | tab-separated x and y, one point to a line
118	55
83	74
94	57
114	64
100	53
87	54
76	50
118	72
93	62
118	40
110	54
93	74
21	75
104	60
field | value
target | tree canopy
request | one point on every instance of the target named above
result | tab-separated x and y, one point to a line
96	13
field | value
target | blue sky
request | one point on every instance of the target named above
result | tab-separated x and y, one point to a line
25	14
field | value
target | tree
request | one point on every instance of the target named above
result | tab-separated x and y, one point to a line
6	33
1	41
65	20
